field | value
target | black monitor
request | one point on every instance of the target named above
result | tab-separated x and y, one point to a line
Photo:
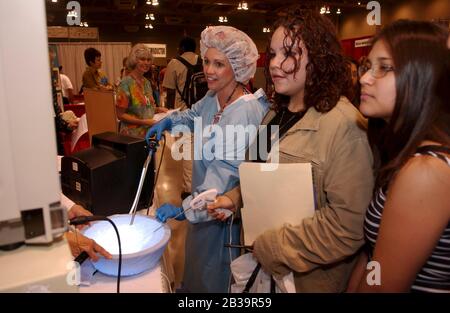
104	178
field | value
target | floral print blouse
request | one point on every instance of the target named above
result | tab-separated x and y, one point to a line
135	96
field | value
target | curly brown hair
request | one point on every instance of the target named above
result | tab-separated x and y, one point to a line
327	73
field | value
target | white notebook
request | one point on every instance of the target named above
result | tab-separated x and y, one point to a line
275	197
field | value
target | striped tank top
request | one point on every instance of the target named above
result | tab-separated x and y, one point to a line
435	274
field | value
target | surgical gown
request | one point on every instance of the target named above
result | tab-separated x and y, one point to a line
216	161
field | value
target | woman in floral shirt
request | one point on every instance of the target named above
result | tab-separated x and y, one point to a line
135	103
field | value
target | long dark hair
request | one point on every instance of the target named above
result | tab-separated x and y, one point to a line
421	110
327	74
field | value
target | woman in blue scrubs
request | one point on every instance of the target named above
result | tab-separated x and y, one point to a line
229	62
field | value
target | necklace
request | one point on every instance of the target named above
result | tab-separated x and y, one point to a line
281	125
229	97
218	115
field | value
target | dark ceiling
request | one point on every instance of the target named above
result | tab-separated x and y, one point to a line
129	15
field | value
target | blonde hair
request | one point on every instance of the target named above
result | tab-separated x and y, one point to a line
137	52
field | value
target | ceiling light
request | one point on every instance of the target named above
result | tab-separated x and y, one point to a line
266	30
54	1
322	10
155	2
328	10
338	11
242	6
149	2
150	16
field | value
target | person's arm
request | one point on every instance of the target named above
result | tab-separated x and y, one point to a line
105	88
232	199
224	202
89	80
60	123
358	272
161	110
76	210
104	81
131	119
68	86
79	243
335	231
222	173
415	214
187	117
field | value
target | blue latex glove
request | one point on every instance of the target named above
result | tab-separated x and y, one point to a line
158	129
168	210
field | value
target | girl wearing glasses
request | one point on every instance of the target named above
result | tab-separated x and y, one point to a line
316	124
405	94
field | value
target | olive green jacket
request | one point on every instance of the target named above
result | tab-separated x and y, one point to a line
321	250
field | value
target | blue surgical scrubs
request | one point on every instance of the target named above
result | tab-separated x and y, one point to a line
218	152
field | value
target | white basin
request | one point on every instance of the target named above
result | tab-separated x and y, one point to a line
142	246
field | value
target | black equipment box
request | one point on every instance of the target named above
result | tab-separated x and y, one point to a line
104	178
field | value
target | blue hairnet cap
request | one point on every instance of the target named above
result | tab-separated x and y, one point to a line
237	46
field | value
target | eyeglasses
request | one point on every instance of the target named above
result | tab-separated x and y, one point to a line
377	70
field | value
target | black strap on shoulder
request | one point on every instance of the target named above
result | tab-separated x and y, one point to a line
185	62
272	285
252	279
433	148
190	67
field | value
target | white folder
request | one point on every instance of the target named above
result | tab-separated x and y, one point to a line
80	131
272	198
